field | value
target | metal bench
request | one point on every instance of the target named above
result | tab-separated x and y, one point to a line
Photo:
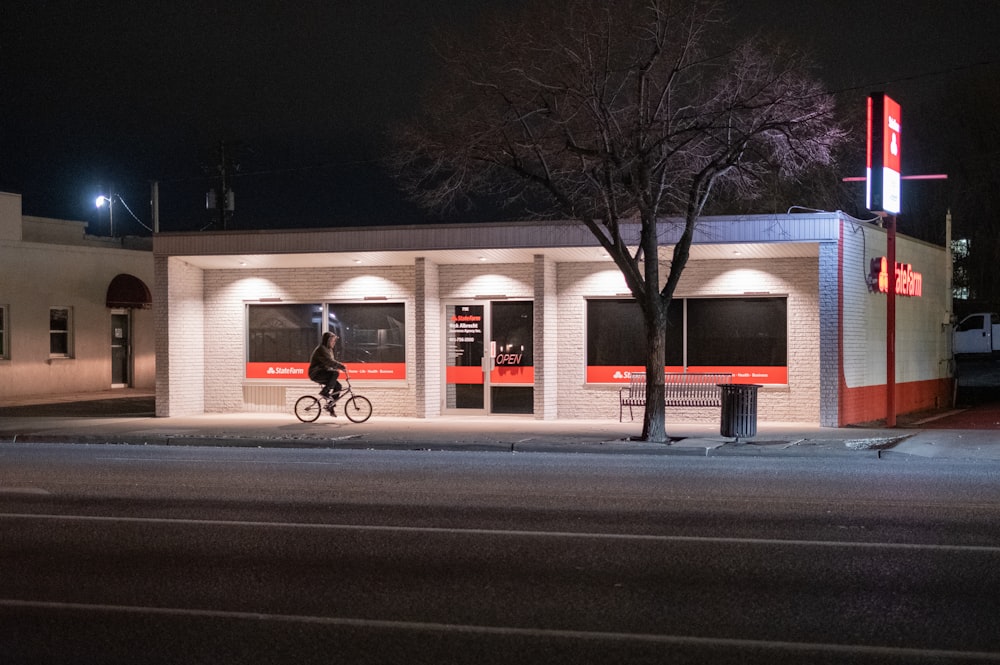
680	389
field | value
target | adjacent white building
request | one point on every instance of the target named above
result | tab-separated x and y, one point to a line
75	310
533	319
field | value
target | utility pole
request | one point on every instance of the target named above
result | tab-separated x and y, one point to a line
154	204
221	199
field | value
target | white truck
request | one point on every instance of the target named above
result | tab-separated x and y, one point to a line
977	333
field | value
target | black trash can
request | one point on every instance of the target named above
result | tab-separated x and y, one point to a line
739	410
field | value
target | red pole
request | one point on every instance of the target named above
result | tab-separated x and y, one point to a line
890	325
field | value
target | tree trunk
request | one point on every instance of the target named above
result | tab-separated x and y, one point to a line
654	427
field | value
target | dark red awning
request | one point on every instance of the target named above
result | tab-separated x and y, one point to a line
128	291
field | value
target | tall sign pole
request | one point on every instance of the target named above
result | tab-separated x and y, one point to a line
884	175
890	325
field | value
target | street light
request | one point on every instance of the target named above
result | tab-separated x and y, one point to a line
117	198
110	200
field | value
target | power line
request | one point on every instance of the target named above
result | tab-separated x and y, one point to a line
140	222
274	171
916	77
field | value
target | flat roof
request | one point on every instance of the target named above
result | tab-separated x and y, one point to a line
731	237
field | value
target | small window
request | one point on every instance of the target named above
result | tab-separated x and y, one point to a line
4	333
975	322
60	332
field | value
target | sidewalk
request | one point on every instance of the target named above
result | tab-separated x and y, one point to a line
126	417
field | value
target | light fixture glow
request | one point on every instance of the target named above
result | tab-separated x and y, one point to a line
99	202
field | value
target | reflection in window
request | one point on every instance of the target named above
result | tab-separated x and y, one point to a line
368	332
283	333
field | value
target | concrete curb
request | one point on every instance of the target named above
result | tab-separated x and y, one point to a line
684	447
510	437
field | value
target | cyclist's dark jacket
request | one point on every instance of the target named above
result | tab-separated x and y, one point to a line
322	361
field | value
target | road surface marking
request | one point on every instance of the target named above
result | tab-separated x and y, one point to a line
513	631
722	540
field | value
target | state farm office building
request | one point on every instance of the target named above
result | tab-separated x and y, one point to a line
534	319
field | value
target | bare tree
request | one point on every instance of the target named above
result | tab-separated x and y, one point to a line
611	112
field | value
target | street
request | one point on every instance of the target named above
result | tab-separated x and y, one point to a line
123	554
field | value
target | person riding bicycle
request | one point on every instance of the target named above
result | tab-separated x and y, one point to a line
325	368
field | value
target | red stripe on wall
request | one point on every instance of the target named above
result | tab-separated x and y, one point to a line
867	403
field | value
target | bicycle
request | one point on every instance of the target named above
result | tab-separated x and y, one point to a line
357	408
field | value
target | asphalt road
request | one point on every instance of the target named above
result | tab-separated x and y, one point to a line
124	554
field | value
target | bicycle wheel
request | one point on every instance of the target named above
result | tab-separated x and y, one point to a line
308	408
358	409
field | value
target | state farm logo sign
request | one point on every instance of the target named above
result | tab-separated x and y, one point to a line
884	163
908	282
276	371
285	371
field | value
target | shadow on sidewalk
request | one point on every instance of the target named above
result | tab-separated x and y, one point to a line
123	407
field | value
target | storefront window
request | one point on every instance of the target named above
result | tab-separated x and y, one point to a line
616	335
281	338
737	331
369	332
746	337
283	333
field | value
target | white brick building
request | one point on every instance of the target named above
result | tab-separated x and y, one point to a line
532	318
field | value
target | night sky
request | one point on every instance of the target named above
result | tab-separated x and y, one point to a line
107	96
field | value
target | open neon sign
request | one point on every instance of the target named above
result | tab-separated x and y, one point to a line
908	282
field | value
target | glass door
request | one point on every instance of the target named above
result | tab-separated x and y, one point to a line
512	371
121	349
489	362
464	357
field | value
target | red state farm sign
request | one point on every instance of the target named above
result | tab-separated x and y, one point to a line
908	282
359	371
777	375
884	146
